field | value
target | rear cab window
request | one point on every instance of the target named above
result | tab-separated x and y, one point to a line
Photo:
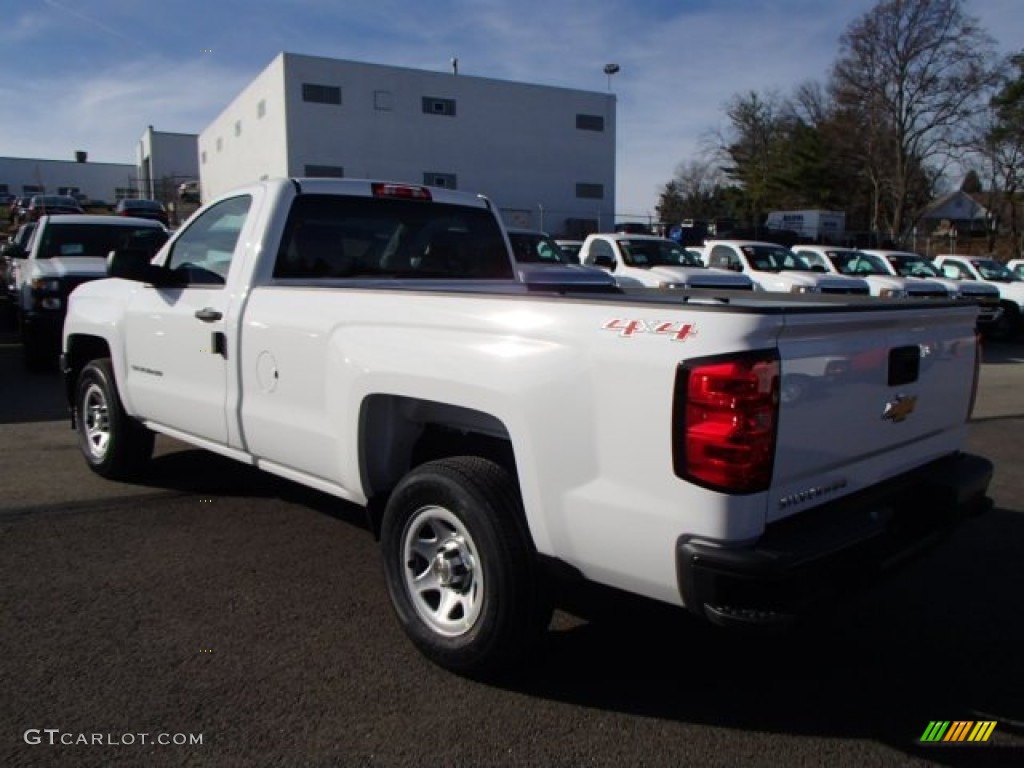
339	236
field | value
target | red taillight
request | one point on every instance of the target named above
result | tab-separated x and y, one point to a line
402	191
724	421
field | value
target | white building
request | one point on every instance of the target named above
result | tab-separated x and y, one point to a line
544	155
97	181
164	161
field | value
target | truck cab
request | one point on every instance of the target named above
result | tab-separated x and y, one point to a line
656	262
776	268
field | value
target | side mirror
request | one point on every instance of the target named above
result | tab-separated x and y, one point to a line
604	261
133	264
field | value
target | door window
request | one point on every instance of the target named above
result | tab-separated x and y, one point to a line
203	252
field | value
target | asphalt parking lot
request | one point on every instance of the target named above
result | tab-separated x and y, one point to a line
212	601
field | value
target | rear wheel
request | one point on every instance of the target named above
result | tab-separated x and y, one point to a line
460	567
113	443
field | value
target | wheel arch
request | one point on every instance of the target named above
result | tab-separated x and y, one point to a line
80	350
418	431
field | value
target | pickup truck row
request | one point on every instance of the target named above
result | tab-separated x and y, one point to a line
512	429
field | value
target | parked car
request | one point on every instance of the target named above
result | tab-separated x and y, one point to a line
62	253
188	192
916	266
534	247
655	262
571	248
19	210
988	270
51	205
776	268
836	260
1016	266
140	208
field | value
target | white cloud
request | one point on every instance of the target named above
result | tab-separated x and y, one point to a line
106	113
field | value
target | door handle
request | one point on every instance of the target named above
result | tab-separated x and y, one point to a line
208	314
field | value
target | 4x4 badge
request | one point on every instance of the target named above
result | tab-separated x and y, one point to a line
897	409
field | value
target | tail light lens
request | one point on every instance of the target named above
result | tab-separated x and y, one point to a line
724	421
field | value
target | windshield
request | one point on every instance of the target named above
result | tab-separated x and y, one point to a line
536	248
858	263
774	258
657	253
912	265
990	269
97	240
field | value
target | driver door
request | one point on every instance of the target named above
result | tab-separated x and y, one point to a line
176	352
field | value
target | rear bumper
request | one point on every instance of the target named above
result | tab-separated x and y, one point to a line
801	561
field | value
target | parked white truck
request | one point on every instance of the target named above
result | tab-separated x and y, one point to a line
986	269
374	341
776	268
655	262
836	260
917	267
61	253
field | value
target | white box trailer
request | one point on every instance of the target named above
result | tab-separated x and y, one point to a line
814	224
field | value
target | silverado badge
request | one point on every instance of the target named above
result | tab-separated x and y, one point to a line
897	409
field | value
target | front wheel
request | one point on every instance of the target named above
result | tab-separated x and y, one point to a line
460	567
113	443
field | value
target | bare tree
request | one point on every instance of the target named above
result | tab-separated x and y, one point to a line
911	71
1004	142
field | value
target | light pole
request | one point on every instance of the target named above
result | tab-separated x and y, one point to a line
611	69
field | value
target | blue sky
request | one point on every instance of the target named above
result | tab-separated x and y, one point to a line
92	74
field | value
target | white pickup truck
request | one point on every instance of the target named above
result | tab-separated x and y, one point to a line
917	267
986	269
61	253
636	259
775	268
374	341
836	260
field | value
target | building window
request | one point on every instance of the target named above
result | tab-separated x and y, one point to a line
590	191
321	94
3	189
68	190
261	108
122	193
589	122
220	143
445	180
32	189
202	157
325	171
383	100
238	127
435	106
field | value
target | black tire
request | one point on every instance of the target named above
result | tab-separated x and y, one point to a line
455	527
114	444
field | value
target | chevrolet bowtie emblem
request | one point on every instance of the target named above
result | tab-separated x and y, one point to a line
897	409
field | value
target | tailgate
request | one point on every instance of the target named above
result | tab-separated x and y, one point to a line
867	395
